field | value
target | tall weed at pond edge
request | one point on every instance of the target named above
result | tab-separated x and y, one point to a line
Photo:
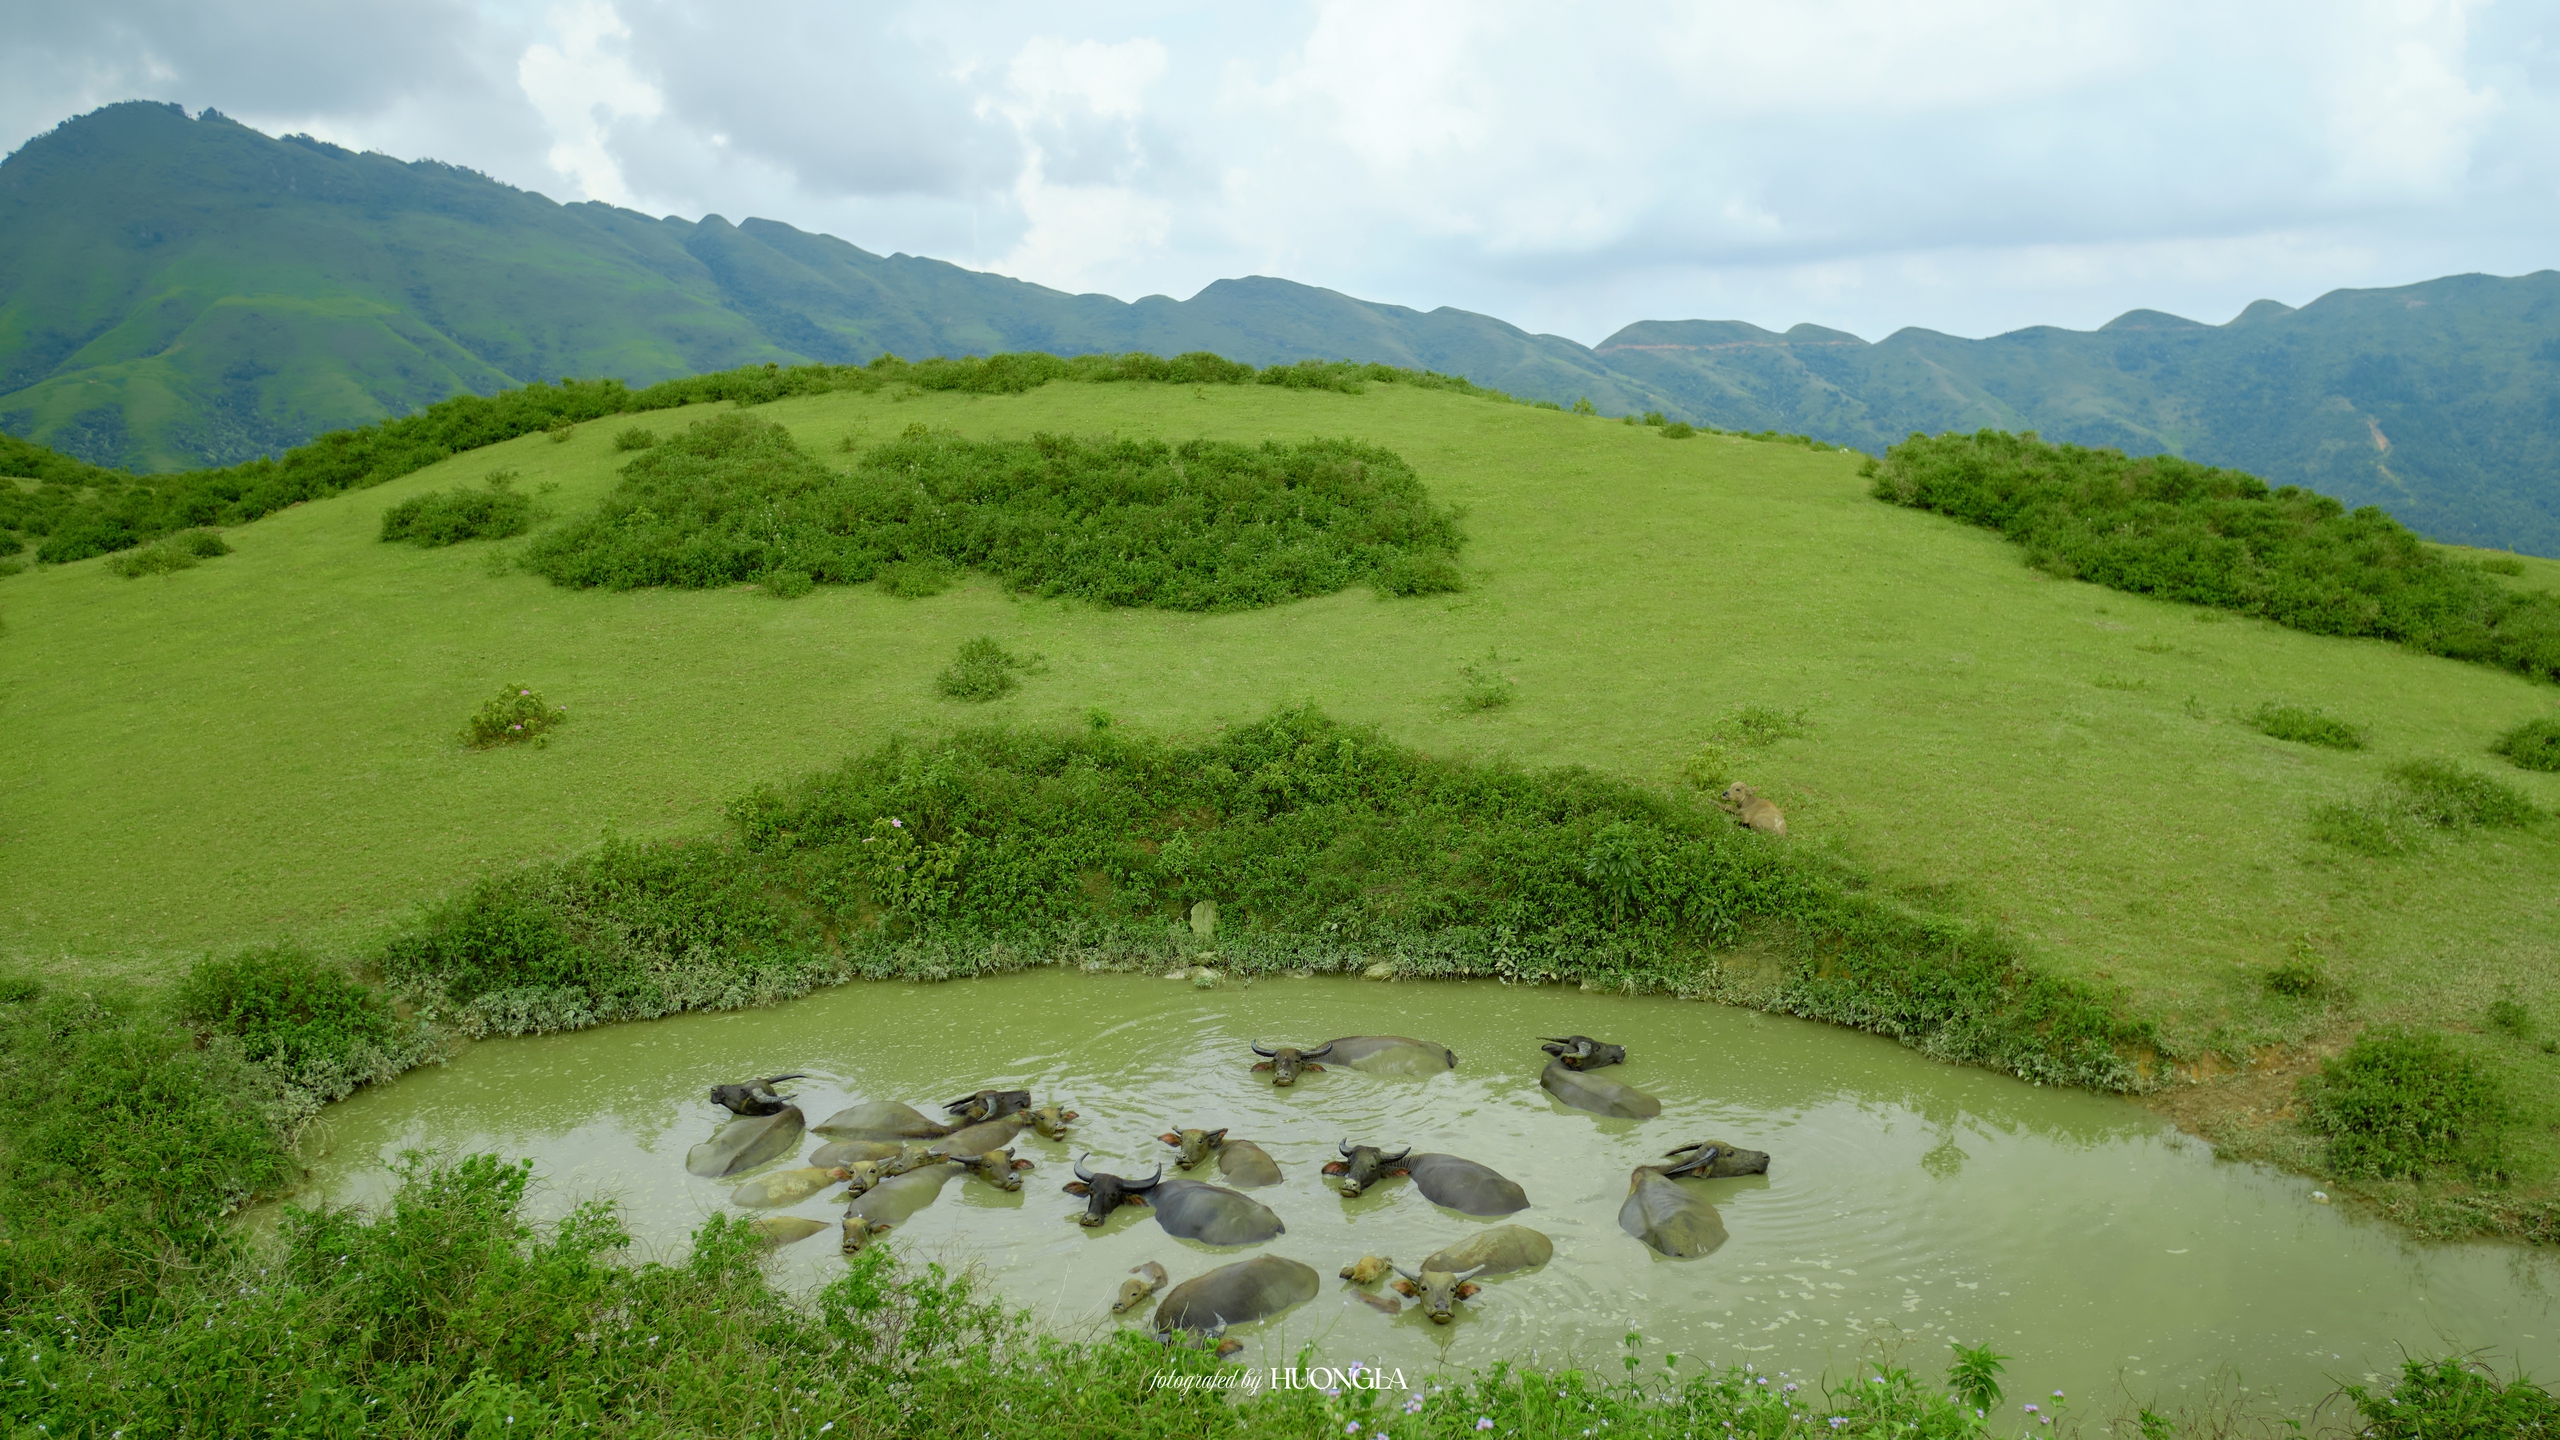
2401	1103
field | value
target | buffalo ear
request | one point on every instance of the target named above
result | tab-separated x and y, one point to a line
1262	1065
1170	1139
1216	1136
1138	1200
1021	1164
1309	1065
1468	1290
1077	1187
1404	1288
1336	1167
1399	1170
1067	1115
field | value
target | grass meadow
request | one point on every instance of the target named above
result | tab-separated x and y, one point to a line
270	743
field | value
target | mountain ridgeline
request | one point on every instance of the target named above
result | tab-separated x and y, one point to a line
179	293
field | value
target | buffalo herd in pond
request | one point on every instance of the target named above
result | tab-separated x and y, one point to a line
893	1160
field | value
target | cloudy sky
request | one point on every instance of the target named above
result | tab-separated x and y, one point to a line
1967	165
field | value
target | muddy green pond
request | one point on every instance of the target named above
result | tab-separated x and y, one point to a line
1907	1203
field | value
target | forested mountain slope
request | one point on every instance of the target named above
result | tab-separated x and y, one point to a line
178	292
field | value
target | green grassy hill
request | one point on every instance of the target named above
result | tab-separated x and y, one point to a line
180	292
267	744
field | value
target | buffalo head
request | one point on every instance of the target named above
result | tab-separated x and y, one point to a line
1717	1160
1362	1166
1438	1290
1193	1146
996	1167
1106	1193
989	1105
1581	1052
1052	1121
858	1232
1285	1062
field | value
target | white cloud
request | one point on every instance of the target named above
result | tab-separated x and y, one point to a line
580	88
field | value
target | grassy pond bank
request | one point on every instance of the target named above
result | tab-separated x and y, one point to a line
1909	1204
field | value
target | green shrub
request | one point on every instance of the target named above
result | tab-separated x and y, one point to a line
1584	406
182	551
982	671
634	437
2533	745
2378	824
1482	687
2455	1398
1755	726
515	716
2401	1103
1322	843
559	430
787	584
1678	430
916	579
1653	417
2503	565
2508	1016
450	517
319	1028
2306	725
1709	767
2301	976
2451	798
2160	525
1206	525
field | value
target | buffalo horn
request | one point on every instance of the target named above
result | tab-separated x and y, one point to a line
1345	1148
1391	1159
1259	1050
1151	1180
1082	1173
1319	1052
1409	1275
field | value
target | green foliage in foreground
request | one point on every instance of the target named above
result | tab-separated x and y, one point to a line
2306	725
2452	1397
1205	525
1326	846
2182	531
318	1030
2400	1103
492	512
83	510
2533	745
182	551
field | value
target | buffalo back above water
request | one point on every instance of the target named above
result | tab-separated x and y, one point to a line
1212	1214
1236	1294
1464	1186
881	1120
1599	1096
745	1143
1391	1055
1669	1216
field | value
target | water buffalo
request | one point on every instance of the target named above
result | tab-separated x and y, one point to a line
1383	1304
1236	1294
1717	1160
1464	1185
881	1120
996	1167
1750	811
755	1097
1390	1055
1669	1216
1362	1166
1438	1291
1600	1097
1241	1161
1212	1214
1581	1052
1368	1269
745	1143
891	1202
848	1152
1286	1062
1150	1279
785	1187
1106	1193
984	1136
988	1105
783	1229
1052	1121
1496	1250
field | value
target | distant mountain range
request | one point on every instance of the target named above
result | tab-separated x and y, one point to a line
177	292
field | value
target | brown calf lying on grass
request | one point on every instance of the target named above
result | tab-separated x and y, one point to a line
1747	808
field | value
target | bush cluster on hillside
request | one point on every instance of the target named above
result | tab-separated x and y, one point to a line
82	510
983	671
2164	526
1205	525
1324	845
449	517
169	554
2533	745
2417	798
514	716
2306	725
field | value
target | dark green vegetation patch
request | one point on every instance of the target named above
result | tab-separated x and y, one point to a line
2182	531
983	670
1324	846
2533	745
1205	525
170	554
512	717
449	517
2401	1103
2417	798
2306	725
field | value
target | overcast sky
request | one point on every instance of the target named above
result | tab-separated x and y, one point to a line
1967	165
